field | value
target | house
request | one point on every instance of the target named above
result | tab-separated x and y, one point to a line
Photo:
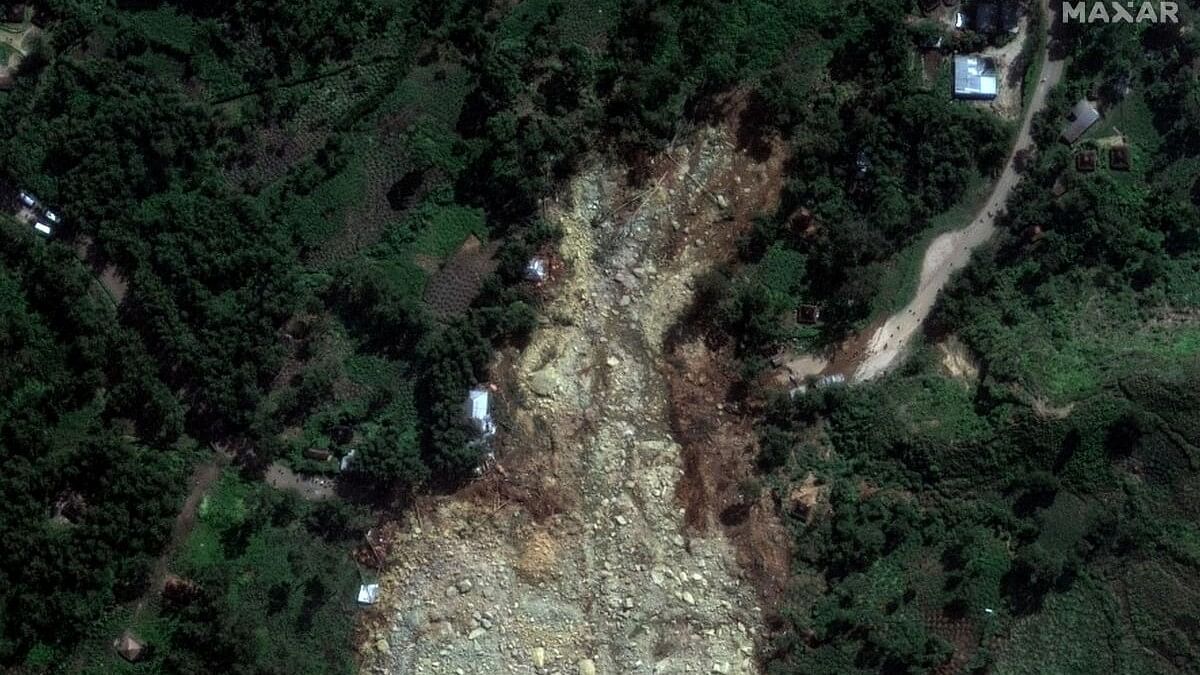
52	216
43	228
975	77
479	411
1085	161
368	594
535	270
347	460
129	647
28	199
1081	118
1119	158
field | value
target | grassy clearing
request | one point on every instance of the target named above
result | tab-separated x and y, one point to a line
441	229
585	21
1133	119
322	213
166	27
1050	642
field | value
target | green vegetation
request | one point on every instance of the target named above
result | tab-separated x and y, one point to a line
280	182
1042	516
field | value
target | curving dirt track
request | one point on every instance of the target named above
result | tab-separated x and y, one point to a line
951	251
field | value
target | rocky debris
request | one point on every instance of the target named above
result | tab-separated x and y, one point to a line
609	584
544	382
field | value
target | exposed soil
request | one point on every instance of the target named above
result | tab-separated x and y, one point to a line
310	488
202	479
957	361
573	554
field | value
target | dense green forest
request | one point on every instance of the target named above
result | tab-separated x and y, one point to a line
1039	513
269	191
279	186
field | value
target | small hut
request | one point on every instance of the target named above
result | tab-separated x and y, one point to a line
1085	161
129	647
1119	158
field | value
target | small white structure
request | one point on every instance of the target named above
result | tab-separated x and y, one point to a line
130	647
479	402
52	216
28	199
830	380
535	270
347	459
368	594
42	228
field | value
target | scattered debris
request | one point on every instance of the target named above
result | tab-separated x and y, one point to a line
575	554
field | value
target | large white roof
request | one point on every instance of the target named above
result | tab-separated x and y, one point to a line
478	403
975	77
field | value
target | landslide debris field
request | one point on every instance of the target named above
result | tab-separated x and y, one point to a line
574	554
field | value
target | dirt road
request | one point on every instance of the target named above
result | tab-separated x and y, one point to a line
573	556
951	251
203	477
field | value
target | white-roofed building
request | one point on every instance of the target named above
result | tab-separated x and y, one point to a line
28	199
368	594
42	228
975	78
479	407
